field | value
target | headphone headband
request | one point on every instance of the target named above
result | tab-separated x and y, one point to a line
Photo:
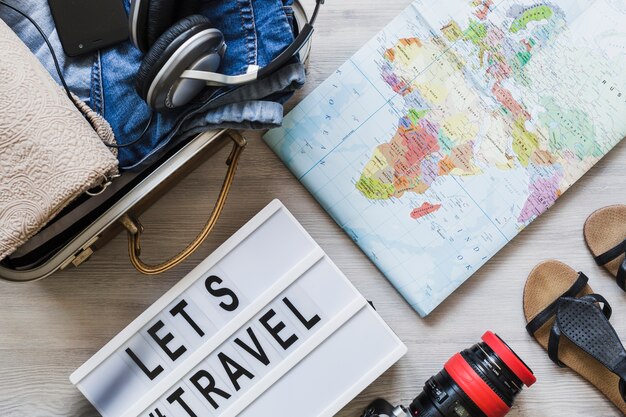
214	79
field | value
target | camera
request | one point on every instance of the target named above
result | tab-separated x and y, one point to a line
481	381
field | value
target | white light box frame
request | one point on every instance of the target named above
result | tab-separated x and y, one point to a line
267	325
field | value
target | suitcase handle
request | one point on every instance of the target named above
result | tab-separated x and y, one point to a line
134	227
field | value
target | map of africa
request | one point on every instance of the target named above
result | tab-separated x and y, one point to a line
456	126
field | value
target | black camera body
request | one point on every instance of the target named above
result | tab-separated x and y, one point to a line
481	381
381	408
441	396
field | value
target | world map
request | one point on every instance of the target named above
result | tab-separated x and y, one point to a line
458	125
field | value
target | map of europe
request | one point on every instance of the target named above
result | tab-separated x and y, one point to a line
458	125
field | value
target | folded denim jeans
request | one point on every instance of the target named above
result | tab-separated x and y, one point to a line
256	31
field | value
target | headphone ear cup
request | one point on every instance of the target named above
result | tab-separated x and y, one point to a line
186	8
149	19
156	56
169	45
161	16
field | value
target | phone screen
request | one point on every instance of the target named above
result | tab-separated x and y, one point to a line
88	25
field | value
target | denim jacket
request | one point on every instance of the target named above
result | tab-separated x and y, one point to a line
256	31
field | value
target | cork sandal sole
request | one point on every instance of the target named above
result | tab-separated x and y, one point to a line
546	283
604	230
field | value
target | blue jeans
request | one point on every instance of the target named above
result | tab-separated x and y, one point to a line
256	31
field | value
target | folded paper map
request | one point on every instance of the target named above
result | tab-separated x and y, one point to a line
456	126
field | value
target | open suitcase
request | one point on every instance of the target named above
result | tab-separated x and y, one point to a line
94	219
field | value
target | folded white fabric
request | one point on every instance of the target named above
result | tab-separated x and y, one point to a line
49	153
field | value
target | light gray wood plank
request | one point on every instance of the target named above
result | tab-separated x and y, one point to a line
50	328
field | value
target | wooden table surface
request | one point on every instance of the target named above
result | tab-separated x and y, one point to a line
49	328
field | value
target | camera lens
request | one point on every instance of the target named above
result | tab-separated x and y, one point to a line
481	381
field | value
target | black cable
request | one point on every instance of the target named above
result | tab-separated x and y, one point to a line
62	78
143	133
318	4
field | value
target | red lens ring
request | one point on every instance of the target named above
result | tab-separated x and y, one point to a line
475	388
509	358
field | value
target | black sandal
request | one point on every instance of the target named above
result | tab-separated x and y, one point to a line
604	232
572	324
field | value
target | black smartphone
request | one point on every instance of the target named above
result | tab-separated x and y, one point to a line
85	26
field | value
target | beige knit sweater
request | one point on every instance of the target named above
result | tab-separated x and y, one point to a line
50	153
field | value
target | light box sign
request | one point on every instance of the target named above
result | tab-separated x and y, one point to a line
265	326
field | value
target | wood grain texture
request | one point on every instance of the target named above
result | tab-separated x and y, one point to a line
49	328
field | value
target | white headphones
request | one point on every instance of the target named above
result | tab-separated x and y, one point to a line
182	58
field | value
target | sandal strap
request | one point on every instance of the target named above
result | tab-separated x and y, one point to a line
621	276
611	254
586	325
555	332
542	318
622	388
607	310
553	345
